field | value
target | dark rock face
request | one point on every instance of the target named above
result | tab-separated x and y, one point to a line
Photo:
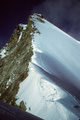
8	112
14	65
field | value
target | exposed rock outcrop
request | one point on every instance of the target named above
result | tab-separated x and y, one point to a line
14	61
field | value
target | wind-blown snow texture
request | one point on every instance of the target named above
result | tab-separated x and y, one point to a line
56	60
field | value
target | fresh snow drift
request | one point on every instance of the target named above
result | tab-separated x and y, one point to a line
55	60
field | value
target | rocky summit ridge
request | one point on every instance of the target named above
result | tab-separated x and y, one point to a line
14	60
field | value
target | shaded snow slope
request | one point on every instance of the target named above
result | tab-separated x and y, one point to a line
55	60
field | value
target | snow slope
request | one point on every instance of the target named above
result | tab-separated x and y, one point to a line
55	60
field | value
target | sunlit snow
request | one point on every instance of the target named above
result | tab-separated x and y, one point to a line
2	54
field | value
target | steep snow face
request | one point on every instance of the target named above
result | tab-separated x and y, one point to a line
55	59
60	54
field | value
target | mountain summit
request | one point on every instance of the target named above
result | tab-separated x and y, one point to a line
40	70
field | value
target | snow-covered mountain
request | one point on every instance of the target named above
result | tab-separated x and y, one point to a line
40	71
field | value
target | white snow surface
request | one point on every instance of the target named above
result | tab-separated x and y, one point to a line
20	36
23	26
56	60
2	54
